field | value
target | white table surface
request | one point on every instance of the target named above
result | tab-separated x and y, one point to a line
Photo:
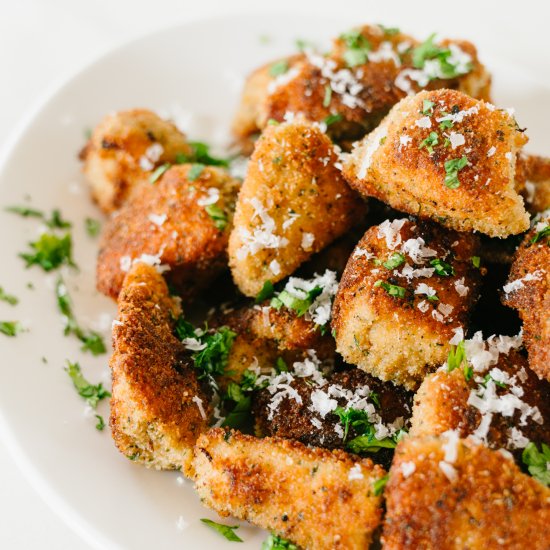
44	41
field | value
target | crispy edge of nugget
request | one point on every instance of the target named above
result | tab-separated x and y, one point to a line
112	156
291	178
390	337
536	171
441	404
490	503
157	406
532	299
402	172
304	494
187	241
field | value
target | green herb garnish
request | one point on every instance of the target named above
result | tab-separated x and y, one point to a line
332	119
278	68
8	298
430	51
442	268
429	142
200	153
541	235
476	261
100	422
452	167
25	211
195	171
357	48
92	226
11	328
50	251
328	95
537	462
228	531
392	290
92	341
92	393
380	484
299	305
394	261
457	355
218	216
267	292
427	107
274	542
389	31
158	171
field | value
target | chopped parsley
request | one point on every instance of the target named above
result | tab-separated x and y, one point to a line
92	226
100	422
195	171
445	124
50	251
452	168
328	95
200	152
228	531
429	142
302	44
212	358
93	394
218	215
541	235
468	372
11	328
389	31
537	462
91	340
332	119
25	211
394	261
158	171
357	48
476	261
392	290
380	484
442	268
299	305
267	292
427	107
8	298
275	542
55	221
428	51
457	355
278	68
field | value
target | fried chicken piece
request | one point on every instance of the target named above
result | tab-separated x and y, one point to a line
536	172
445	156
406	288
158	408
316	498
456	495
292	204
180	224
359	88
457	400
299	420
124	150
528	291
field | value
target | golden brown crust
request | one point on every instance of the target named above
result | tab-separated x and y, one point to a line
155	417
118	157
392	165
536	172
304	494
167	220
302	88
491	504
441	404
293	203
402	339
532	297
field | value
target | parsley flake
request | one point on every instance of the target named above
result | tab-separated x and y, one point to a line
158	171
278	68
357	48
195	171
394	261
452	167
50	251
442	268
476	261
275	542
328	95
92	226
429	142
537	462
299	305
93	394
428	51
266	292
228	531
8	298
541	235
332	119
457	355
427	107
218	215
100	422
25	211
380	484
11	328
200	153
392	290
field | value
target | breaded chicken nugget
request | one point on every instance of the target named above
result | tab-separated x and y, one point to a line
502	403
180	224
536	171
158	408
316	498
456	494
406	288
123	151
368	70
445	156
528	291
293	203
308	419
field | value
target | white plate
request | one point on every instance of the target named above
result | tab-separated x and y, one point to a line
109	501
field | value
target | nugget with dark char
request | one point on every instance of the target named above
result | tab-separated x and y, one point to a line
354	86
158	408
468	404
299	420
292	204
406	287
316	498
445	156
456	494
124	150
181	224
528	291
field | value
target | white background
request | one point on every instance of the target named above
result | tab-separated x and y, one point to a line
42	42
